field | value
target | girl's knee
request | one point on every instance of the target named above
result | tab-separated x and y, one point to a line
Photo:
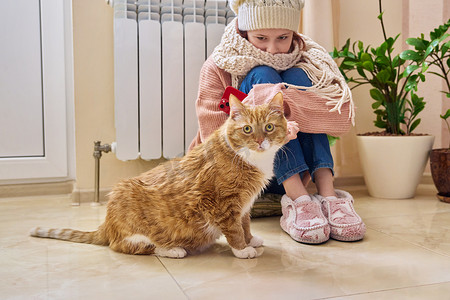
263	71
258	75
296	76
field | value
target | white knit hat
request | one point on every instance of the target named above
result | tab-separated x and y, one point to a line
263	14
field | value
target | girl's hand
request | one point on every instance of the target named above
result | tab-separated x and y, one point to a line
292	130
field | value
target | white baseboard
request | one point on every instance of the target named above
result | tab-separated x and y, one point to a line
36	189
87	195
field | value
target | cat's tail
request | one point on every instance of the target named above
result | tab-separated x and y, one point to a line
89	237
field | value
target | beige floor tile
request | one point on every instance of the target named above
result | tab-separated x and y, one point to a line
423	220
296	271
405	255
424	202
32	268
431	231
434	291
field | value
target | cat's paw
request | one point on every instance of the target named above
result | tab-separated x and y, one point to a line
247	252
176	252
256	241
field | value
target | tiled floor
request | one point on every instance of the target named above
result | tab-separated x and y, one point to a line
405	255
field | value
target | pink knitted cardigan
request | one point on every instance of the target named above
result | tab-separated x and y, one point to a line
308	109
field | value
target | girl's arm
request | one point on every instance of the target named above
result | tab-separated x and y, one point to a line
212	84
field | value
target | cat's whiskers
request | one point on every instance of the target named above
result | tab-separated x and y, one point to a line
284	150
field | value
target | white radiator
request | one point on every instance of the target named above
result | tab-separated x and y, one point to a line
159	49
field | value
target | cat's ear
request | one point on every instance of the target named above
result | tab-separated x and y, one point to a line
236	106
276	103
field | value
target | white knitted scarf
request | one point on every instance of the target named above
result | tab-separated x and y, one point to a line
237	56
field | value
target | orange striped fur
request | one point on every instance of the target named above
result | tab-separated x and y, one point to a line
183	205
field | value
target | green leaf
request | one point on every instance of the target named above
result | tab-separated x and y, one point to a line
445	48
431	47
345	52
335	53
396	61
347	44
414	125
374	51
446	115
411	55
366	57
332	140
392	84
443	37
380	124
380	51
380	113
349	63
361	71
368	65
360	46
417	43
396	38
422	77
377	95
384	75
390	42
409	69
411	84
383	60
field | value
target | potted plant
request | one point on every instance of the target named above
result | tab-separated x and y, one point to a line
392	160
435	52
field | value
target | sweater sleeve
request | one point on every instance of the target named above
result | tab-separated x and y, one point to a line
212	84
309	110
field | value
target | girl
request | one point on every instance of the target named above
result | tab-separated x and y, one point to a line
261	54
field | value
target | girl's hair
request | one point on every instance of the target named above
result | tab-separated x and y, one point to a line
296	37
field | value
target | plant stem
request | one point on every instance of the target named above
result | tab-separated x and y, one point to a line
391	109
442	67
384	30
392	126
381	19
359	84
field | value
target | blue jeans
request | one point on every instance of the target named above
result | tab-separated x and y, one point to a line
309	151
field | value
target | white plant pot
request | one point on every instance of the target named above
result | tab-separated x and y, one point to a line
393	165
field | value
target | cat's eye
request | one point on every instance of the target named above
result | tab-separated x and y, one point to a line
247	129
270	127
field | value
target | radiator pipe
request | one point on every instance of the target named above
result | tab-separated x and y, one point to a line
98	149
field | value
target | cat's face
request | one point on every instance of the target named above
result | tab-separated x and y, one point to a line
257	129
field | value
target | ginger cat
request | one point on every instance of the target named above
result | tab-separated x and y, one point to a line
185	204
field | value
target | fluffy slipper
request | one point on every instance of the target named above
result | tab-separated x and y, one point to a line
303	220
345	224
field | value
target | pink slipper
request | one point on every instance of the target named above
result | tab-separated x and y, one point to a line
303	220
344	222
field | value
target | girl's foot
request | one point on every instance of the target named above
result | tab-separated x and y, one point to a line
303	220
345	224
